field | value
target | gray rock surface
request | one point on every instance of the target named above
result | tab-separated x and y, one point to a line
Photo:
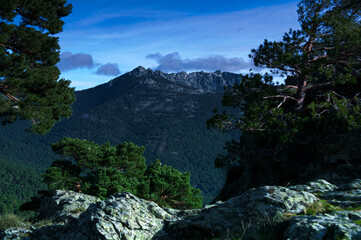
336	225
15	233
215	81
269	212
65	206
246	213
122	216
332	225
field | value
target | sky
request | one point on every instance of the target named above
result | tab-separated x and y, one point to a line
105	39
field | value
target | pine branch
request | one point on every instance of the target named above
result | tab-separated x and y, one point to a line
314	86
8	95
280	96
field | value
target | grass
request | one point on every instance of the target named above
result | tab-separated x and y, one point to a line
357	208
10	220
79	209
358	222
321	206
43	222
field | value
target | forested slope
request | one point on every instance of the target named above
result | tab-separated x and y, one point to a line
143	107
17	184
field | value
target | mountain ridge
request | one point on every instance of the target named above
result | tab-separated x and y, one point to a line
149	108
200	80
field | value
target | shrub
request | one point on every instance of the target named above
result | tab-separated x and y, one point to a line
103	170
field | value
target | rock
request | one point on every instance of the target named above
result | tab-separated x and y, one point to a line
269	212
199	80
65	206
332	225
319	186
122	216
15	233
337	225
254	208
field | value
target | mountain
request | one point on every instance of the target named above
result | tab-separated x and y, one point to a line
166	113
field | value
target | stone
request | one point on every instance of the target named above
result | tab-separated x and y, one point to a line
122	216
248	212
337	225
268	212
319	186
15	233
64	206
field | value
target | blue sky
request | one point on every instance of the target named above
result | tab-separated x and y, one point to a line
104	39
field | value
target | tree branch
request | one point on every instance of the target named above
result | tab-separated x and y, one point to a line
313	86
8	95
269	65
285	97
291	86
280	96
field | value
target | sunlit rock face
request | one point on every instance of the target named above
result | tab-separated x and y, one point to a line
268	212
215	81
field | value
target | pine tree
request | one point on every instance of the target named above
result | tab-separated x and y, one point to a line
288	128
170	187
322	62
29	51
103	170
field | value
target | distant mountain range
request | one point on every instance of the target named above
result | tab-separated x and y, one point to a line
166	113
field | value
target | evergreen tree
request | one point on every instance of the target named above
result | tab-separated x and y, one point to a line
322	62
285	126
169	187
103	170
29	79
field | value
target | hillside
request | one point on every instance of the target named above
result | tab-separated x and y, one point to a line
166	113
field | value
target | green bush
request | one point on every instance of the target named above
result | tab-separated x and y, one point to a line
103	170
169	187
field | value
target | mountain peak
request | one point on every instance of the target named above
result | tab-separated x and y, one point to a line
139	71
200	80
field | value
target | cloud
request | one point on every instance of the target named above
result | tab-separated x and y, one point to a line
109	69
174	62
69	61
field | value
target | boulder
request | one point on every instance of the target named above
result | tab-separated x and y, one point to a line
269	212
336	225
249	212
122	216
64	206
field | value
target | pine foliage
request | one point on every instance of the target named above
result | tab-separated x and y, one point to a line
103	170
293	130
322	63
29	79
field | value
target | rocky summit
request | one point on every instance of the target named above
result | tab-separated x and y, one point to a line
215	81
317	210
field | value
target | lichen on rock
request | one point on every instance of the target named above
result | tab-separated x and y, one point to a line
271	212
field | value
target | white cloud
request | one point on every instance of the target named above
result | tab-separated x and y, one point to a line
70	62
173	62
109	69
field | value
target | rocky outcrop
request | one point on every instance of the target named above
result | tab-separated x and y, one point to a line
65	206
249	213
269	212
215	81
337	225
